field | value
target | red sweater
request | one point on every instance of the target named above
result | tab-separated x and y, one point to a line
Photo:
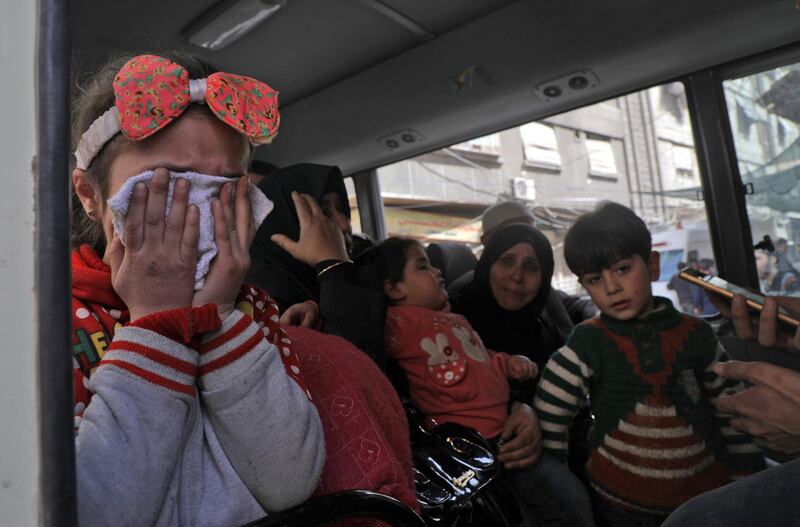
97	312
451	375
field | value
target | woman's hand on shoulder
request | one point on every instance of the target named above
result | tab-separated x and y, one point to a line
522	438
234	230
319	238
154	271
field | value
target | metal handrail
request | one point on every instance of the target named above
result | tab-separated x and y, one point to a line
57	444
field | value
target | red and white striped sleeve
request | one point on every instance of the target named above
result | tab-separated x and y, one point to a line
253	394
156	348
142	404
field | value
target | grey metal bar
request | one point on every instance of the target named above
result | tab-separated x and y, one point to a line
370	204
57	477
722	185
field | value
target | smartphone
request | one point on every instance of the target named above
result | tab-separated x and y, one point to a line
715	284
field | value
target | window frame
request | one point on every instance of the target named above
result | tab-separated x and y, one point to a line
721	186
721	181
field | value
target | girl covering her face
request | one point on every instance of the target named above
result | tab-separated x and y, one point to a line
203	390
156	361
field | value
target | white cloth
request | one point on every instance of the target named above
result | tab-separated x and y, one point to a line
203	189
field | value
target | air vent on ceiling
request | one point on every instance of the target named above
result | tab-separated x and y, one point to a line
571	83
401	139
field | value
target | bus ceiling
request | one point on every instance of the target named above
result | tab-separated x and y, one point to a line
351	74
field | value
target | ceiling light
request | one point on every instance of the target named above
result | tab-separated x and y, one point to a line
228	21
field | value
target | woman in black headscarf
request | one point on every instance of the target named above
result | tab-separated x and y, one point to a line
509	291
516	311
288	280
505	303
508	294
301	254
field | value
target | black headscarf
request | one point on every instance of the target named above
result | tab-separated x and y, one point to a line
286	279
513	332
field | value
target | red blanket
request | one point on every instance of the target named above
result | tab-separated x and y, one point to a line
366	433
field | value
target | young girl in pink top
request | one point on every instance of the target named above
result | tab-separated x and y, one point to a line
452	377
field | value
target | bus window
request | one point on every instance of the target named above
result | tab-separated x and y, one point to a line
764	112
637	149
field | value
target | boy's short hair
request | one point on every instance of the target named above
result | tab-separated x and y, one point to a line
600	238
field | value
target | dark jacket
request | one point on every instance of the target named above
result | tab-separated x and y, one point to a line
352	306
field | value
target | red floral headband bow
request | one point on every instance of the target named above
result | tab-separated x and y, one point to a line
152	91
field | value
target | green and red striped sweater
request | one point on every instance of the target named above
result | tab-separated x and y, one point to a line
657	440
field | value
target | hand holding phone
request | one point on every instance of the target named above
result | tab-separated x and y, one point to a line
766	329
753	300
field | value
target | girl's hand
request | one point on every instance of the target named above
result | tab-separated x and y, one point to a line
155	269
303	315
234	230
319	238
521	368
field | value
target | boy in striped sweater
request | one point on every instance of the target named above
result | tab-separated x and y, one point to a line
648	369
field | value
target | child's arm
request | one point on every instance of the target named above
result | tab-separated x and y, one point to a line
745	457
516	367
268	428
129	441
564	383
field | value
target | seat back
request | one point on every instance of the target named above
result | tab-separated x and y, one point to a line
453	259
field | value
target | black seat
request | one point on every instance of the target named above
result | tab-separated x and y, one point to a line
453	259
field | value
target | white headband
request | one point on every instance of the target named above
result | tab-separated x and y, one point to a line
105	127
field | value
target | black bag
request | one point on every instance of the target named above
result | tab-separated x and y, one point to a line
455	473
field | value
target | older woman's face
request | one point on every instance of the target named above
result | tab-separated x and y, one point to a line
515	278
